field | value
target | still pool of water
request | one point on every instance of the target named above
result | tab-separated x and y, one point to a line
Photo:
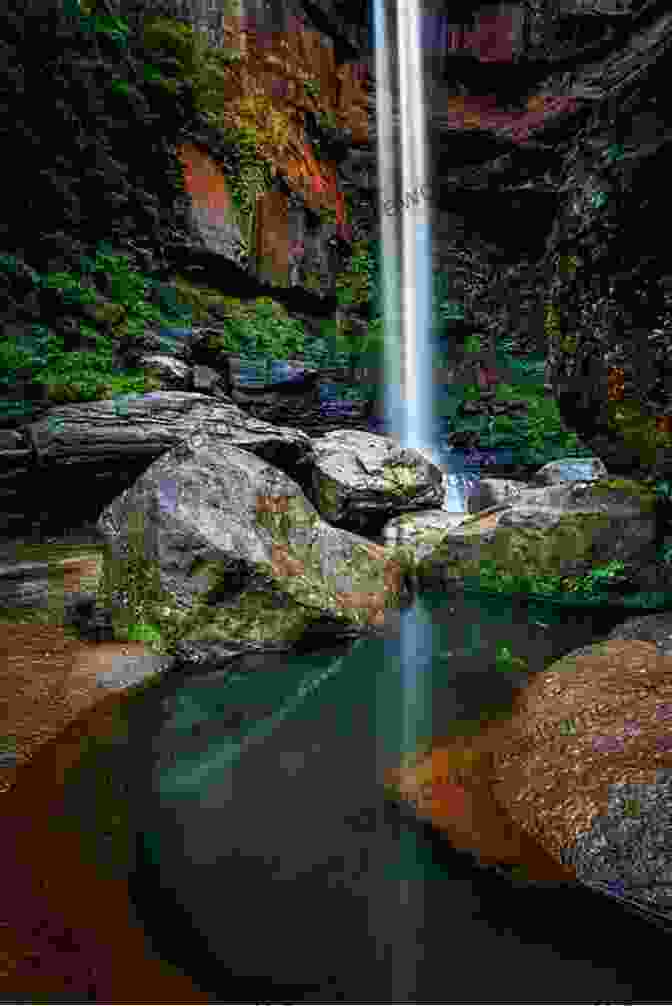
272	869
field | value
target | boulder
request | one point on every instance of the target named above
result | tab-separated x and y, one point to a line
581	769
421	532
29	579
243	558
110	443
585	765
656	629
172	374
490	492
561	530
570	470
206	381
360	480
356	482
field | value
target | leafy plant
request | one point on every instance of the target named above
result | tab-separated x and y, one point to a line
665	553
78	375
70	287
327	119
450	310
253	175
357	283
120	86
568	727
312	88
15	357
537	436
172	38
143	632
591	582
264	336
116	28
664	491
505	661
492	578
615	152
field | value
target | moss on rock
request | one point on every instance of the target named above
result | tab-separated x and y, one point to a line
639	431
625	490
521	552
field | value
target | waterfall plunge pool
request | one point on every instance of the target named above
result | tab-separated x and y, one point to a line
271	867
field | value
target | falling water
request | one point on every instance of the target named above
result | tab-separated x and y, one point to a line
406	235
406	270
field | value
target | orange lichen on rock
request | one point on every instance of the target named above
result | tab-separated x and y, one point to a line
535	780
585	723
450	787
616	384
66	932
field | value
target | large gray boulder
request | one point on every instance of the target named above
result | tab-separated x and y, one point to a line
563	529
243	558
360	480
103	447
173	374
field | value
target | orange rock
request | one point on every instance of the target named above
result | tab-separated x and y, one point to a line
53	941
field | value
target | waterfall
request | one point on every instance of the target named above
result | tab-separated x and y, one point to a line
406	267
407	301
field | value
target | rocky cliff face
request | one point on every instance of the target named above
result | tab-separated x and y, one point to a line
236	146
550	146
235	122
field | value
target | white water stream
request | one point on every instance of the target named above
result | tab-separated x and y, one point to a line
406	237
407	288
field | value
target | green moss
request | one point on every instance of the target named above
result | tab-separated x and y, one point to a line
173	38
305	595
627	488
551	321
522	554
638	430
312	281
198	298
355	283
137	578
567	663
567	265
254	617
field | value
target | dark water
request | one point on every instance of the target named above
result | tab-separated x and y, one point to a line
271	868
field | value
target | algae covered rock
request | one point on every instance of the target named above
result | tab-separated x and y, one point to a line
242	555
562	530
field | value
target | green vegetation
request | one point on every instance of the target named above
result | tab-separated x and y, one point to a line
536	436
356	284
142	610
79	375
326	120
492	579
253	175
505	661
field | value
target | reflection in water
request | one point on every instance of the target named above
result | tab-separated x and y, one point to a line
412	704
286	863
